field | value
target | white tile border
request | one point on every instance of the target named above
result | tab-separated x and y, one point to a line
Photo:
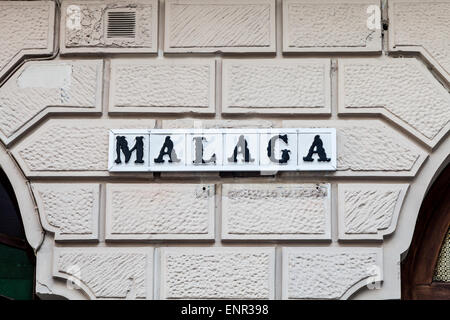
327	166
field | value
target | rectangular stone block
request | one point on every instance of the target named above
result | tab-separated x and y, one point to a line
217	273
70	211
162	86
369	211
329	273
109	26
331	26
220	26
276	211
289	86
159	211
106	272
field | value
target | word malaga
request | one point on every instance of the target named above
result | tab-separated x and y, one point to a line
312	149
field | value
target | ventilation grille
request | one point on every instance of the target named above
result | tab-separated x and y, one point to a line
121	24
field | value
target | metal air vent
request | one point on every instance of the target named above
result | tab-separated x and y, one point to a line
121	24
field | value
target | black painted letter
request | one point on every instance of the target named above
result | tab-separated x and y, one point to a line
317	147
167	149
241	148
122	145
271	148
199	152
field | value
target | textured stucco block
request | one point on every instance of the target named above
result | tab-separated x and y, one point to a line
159	211
276	86
71	147
220	26
85	24
329	273
330	26
167	86
369	211
106	273
422	26
27	30
39	88
402	90
376	148
276	211
71	211
368	148
217	273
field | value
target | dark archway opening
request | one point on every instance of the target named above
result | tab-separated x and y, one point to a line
17	260
421	270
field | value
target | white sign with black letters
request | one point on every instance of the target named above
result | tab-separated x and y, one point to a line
222	150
